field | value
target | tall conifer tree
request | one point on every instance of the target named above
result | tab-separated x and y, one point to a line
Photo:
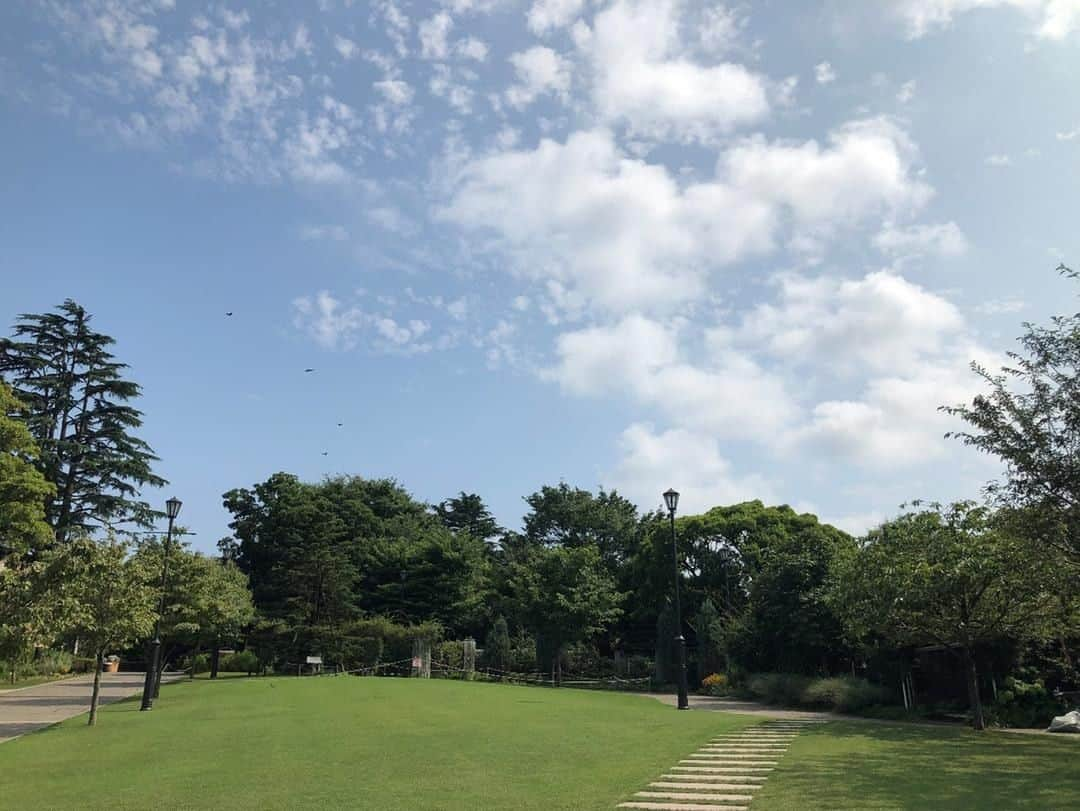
78	413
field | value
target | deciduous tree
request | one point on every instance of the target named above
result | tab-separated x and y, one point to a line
23	490
948	576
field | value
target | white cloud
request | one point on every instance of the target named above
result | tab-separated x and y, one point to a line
895	423
391	219
824	73
728	395
718	29
546	15
866	169
539	70
940	239
572	213
346	47
335	326
1054	19
999	306
642	78
520	303
458	309
471	48
325	319
457	94
433	33
653	461
1068	135
396	91
906	92
879	323
998	160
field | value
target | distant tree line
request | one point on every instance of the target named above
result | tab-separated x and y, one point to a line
355	569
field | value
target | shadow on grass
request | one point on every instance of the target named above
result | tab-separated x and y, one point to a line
841	765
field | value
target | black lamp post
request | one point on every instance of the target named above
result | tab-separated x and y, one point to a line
152	684
671	499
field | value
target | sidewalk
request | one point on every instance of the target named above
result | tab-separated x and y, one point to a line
31	708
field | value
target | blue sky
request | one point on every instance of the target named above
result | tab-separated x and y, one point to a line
744	250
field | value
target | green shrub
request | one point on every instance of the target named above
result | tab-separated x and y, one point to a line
777	688
1024	704
54	663
450	653
716	684
837	693
201	663
242	662
843	694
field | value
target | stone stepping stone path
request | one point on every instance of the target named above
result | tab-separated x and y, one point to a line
724	774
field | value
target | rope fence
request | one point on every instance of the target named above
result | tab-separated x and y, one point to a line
444	670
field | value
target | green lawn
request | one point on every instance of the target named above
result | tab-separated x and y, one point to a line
876	765
412	744
351	742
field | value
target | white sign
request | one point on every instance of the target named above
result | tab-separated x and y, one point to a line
314	660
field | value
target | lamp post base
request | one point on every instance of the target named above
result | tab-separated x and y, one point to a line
684	701
150	682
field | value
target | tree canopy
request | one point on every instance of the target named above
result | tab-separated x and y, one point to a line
1030	419
78	414
23	490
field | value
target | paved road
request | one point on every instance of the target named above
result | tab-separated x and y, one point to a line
31	708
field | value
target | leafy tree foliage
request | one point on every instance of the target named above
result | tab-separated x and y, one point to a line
206	601
109	599
949	576
565	597
1030	419
78	414
467	513
30	617
23	490
570	517
497	647
709	630
323	554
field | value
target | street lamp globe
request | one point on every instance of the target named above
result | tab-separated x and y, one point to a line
172	507
671	498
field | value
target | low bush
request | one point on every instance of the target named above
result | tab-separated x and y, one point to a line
242	662
844	694
1024	704
716	684
777	688
837	693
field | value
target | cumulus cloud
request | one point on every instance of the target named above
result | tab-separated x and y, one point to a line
651	461
881	322
546	15
572	212
728	394
539	70
643	79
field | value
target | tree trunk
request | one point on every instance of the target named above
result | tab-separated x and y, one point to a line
215	658
99	661
971	674
194	656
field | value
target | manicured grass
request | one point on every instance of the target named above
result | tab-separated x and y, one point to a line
348	742
878	765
